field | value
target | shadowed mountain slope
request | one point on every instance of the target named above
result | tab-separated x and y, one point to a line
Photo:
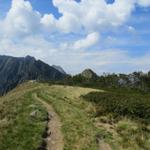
15	70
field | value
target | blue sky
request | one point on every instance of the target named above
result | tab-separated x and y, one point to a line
107	36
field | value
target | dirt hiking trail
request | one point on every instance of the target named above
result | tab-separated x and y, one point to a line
54	139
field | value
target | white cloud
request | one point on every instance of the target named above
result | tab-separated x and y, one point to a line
92	15
21	20
144	3
89	41
49	22
131	29
75	60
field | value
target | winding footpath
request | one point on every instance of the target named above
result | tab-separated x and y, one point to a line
54	139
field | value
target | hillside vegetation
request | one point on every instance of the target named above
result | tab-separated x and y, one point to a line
22	120
90	118
128	114
135	106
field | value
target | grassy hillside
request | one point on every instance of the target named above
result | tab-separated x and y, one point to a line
127	114
23	120
77	124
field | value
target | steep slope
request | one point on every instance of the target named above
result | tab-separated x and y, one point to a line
17	70
60	69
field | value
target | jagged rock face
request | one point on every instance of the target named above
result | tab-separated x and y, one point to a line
59	68
16	70
89	74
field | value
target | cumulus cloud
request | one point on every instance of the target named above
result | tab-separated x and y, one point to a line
49	22
89	41
21	20
92	15
89	16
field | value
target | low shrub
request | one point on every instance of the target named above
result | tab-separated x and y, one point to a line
121	104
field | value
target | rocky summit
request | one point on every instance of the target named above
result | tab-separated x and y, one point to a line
89	74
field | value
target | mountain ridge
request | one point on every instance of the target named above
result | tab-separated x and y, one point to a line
59	68
15	70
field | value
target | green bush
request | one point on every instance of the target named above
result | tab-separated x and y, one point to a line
121	104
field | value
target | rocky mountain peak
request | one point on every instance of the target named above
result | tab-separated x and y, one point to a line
88	73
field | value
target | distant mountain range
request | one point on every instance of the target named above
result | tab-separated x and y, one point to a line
15	70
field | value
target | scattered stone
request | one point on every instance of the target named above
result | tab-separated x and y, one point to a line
34	114
33	106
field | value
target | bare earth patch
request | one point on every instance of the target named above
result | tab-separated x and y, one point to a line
104	146
54	140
